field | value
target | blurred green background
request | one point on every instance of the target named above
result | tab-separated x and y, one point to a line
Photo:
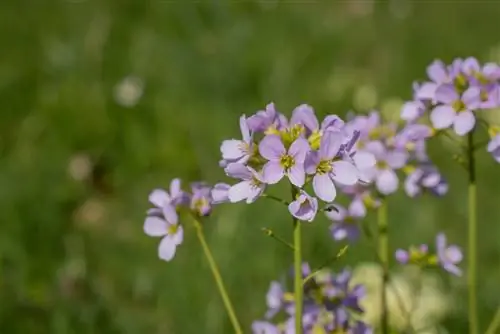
104	100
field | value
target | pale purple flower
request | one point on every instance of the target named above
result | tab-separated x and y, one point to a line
304	114
449	255
440	74
282	161
201	199
264	327
304	207
494	147
274	299
412	110
251	186
234	150
160	198
168	228
326	168
263	119
219	193
346	221
425	176
404	257
455	110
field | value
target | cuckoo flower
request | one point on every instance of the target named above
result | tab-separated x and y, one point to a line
161	198
282	161
494	147
274	299
448	255
219	193
251	186
201	200
263	119
455	110
304	207
167	227
425	176
415	255
346	221
439	74
326	167
234	150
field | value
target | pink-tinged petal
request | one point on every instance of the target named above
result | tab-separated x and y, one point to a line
299	149
245	131
345	173
178	237
364	159
338	215
297	175
271	147
166	250
442	117
304	114
397	159
357	208
170	215
454	254
446	94
155	227
273	172
231	149
330	144
426	91
324	188
240	191
387	182
159	197
238	171
464	122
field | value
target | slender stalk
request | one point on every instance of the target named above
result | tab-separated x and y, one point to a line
270	233
218	278
337	256
472	243
383	253
297	265
495	323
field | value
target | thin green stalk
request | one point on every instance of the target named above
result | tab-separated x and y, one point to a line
472	243
297	265
383	252
218	278
495	323
270	233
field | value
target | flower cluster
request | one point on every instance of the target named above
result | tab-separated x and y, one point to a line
163	220
301	150
331	304
446	256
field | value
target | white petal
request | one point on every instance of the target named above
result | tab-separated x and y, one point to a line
166	250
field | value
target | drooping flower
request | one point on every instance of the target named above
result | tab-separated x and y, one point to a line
251	186
282	161
448	255
304	207
425	176
201	199
326	167
346	221
167	227
234	150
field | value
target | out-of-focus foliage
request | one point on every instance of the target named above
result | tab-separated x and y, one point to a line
104	100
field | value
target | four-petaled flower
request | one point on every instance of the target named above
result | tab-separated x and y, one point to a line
251	186
234	150
304	207
448	255
167	227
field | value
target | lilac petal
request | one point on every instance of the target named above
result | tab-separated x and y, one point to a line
387	181
446	94
304	114
274	295
454	254
175	188
240	191
451	268
297	175
231	149
170	214
464	122
411	111
377	148
238	171
299	149
332	122
441	242
442	117
273	172
339	215
357	208
311	162
431	180
364	159
330	144
166	250
345	173
426	91
324	188
397	159
470	65
178	237
155	227
245	131
159	197
402	256
219	193
304	208
271	147
437	72
472	97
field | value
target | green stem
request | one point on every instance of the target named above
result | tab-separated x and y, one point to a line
297	264
270	233
337	256
218	278
383	252
472	245
495	323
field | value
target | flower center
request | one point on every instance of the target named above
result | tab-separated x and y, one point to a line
290	134
458	105
200	204
172	229
324	167
287	161
315	140
382	164
461	83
